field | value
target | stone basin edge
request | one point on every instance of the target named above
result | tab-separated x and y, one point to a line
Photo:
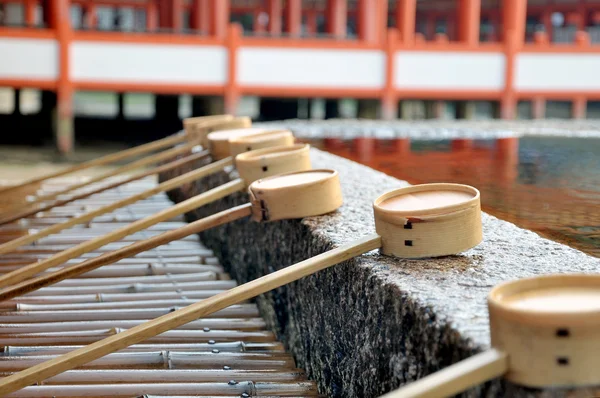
374	323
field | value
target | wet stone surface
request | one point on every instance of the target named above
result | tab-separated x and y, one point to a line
369	325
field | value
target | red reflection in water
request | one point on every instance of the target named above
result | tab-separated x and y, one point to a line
560	214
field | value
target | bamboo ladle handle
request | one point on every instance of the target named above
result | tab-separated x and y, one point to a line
74	270
180	208
113	157
159	157
163	187
327	188
456	378
28	211
187	314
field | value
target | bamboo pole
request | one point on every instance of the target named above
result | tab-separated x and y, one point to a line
456	378
181	208
155	359
71	271
182	316
113	157
238	346
165	186
159	157
26	212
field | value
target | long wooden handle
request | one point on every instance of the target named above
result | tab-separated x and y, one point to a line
181	208
159	157
456	378
187	314
28	211
129	251
113	157
165	186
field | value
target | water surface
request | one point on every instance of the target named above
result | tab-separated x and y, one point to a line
546	184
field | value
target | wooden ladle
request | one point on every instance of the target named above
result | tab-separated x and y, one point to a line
267	140
292	196
282	159
545	332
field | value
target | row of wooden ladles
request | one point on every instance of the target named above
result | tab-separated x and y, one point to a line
544	329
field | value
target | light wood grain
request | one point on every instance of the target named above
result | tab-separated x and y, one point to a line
261	163
430	231
33	209
114	157
185	315
165	186
275	198
164	215
550	327
267	139
456	378
190	124
218	141
202	130
74	270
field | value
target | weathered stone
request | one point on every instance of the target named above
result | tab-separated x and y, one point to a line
437	129
371	324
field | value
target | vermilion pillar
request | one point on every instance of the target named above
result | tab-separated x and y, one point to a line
30	13
220	17
337	15
538	108
383	11
389	99
151	16
545	19
293	16
199	15
177	15
91	18
468	21
205	16
311	21
164	14
232	92
513	18
579	108
275	13
61	23
367	20
406	14
515	12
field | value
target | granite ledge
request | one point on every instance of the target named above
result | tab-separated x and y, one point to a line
374	323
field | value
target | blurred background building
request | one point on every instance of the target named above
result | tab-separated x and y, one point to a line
130	69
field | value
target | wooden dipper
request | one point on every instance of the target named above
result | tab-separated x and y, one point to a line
190	124
284	196
322	184
196	133
260	163
202	128
428	220
219	142
266	139
281	157
286	163
545	332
